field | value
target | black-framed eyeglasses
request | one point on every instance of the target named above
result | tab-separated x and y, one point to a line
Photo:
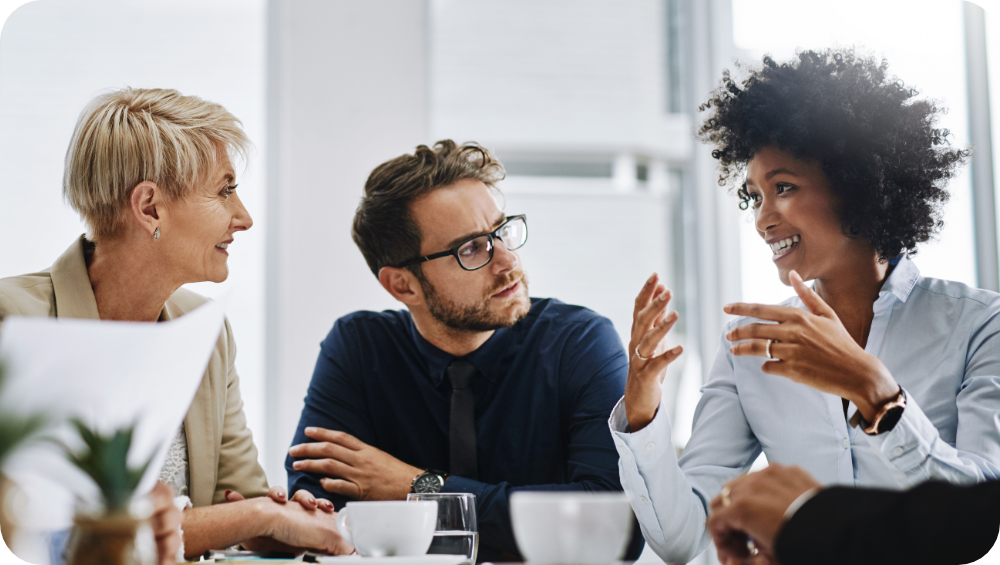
477	252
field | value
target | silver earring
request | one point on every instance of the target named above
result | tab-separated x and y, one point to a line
156	234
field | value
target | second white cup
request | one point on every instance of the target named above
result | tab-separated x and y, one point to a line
384	529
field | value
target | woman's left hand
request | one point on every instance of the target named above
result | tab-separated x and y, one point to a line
814	348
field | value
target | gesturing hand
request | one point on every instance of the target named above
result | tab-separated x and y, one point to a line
814	348
363	472
648	354
753	506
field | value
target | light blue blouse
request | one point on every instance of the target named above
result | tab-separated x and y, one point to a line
939	339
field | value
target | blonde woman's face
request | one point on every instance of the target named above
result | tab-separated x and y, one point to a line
200	226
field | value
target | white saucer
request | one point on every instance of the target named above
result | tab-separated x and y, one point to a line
433	559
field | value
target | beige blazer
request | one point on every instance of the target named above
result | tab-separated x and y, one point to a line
221	452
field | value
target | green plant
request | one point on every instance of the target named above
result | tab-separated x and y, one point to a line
105	460
15	429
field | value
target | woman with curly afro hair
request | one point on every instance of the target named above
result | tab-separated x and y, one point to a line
875	376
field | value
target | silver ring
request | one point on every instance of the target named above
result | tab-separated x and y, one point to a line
724	495
639	355
767	349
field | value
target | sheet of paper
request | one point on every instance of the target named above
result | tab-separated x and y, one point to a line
110	375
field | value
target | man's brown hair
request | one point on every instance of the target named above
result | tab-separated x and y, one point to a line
384	229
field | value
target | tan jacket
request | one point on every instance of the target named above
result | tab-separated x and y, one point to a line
221	452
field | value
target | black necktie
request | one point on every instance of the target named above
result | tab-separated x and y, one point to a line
462	427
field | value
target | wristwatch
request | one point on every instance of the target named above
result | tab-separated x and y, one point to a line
429	481
886	418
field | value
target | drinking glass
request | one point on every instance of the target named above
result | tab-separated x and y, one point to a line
457	531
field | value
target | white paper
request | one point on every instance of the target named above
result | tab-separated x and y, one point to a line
109	375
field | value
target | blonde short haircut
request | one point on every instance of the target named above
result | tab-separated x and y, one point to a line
132	135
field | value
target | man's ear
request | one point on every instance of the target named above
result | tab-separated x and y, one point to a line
146	203
401	284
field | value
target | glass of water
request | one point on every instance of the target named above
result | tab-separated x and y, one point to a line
457	531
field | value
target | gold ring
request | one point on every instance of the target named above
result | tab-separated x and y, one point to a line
639	355
724	495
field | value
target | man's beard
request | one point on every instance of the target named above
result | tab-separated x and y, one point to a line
478	317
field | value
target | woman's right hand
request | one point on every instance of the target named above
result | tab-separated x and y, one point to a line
650	324
295	525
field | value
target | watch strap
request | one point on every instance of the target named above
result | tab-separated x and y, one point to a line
886	418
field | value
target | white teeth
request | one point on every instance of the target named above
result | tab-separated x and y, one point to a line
786	243
222	245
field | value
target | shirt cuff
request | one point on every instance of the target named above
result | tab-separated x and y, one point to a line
798	502
909	442
649	443
462	484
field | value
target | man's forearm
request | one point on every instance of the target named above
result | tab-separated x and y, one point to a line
224	525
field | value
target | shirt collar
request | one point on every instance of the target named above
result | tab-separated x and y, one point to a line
486	359
902	279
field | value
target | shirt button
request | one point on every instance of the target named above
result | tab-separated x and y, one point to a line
643	500
846	443
650	446
897	451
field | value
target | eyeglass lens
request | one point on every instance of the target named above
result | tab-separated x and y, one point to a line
477	252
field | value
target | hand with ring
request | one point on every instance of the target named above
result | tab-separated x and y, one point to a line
750	510
649	354
814	348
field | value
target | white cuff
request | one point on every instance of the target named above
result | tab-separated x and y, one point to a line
798	502
182	503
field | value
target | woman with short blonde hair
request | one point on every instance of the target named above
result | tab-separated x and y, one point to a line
151	173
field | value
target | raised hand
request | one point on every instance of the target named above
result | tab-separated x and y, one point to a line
362	472
648	353
814	348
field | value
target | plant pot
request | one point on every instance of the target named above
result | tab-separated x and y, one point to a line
7	525
105	540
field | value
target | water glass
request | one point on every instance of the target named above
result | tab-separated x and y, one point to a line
457	531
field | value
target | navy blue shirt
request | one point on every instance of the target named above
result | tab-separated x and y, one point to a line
542	402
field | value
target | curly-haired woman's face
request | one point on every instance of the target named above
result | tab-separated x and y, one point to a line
794	211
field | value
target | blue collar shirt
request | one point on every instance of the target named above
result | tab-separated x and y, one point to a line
941	342
546	389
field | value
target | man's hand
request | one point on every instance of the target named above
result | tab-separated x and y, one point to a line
753	506
814	348
165	522
362	472
650	324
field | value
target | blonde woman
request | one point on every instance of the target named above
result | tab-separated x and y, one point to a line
150	172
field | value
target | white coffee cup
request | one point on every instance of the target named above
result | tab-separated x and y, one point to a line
571	527
384	529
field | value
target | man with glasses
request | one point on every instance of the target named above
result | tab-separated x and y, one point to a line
474	387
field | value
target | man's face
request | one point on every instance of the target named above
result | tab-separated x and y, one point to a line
492	297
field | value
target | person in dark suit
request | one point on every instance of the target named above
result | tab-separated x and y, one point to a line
782	515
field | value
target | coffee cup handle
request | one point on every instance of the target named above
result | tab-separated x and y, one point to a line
345	532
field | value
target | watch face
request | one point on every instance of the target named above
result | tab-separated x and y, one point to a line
427	483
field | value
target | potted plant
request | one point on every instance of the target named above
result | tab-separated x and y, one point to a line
107	536
14	431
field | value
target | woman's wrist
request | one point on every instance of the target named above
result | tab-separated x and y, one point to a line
882	388
265	516
640	407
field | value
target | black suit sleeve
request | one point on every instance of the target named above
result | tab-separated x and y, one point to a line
935	523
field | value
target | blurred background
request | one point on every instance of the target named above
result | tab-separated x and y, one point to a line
590	104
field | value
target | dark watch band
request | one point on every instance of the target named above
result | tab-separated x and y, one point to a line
886	419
